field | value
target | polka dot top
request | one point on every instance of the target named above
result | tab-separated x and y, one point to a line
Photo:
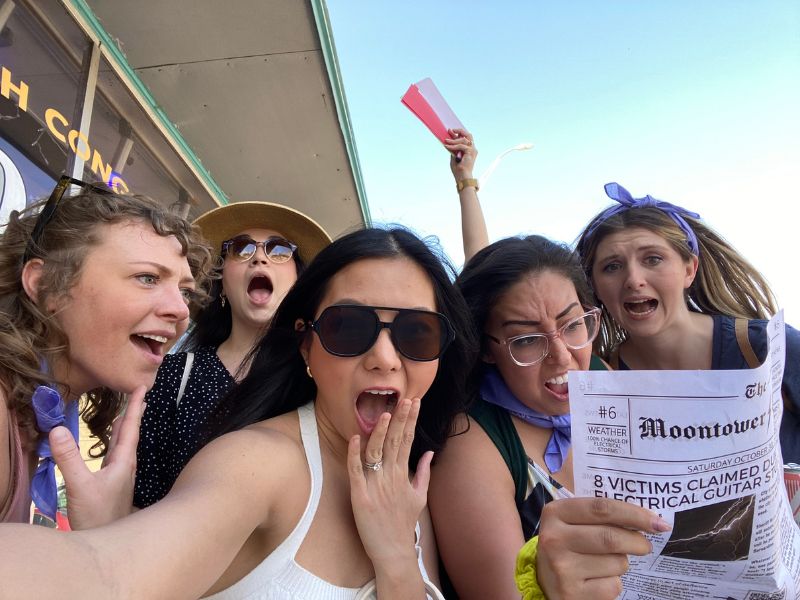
170	435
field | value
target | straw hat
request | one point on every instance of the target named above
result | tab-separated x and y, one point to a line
225	222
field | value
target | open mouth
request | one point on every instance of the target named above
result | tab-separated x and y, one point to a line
559	385
260	289
371	404
641	307
154	344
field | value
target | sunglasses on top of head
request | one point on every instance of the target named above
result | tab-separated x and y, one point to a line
241	248
351	330
49	210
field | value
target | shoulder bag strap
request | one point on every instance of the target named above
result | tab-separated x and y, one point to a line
187	369
746	348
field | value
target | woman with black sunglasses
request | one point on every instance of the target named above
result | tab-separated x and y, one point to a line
319	491
93	289
262	248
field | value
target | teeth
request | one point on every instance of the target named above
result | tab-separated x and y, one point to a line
380	392
159	338
559	379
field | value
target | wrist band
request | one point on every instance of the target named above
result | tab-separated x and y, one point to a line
462	183
525	572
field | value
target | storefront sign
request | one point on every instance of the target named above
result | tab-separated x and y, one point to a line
59	127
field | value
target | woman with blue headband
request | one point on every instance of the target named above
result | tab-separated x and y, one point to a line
674	295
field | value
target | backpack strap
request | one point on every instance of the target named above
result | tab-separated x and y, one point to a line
743	339
187	369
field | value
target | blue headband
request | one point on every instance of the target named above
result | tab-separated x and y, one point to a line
616	192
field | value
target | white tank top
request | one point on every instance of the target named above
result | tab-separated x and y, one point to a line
278	576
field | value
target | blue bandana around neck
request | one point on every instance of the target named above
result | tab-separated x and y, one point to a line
495	390
50	412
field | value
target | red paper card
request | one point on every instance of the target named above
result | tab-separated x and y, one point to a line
430	107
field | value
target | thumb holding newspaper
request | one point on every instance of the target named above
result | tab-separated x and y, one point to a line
584	543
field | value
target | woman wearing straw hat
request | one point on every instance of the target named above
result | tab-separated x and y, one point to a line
263	248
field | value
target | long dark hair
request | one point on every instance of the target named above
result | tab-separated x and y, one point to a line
213	323
492	271
277	382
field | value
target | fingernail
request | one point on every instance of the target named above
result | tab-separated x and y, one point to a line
60	434
661	525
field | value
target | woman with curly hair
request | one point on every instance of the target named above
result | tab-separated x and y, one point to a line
93	288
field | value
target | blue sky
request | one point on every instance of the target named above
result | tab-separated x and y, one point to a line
695	103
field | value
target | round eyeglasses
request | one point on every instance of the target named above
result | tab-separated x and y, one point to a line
243	247
531	348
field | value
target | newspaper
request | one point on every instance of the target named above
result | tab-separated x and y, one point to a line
701	449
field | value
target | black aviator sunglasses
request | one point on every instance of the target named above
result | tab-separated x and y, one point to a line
351	330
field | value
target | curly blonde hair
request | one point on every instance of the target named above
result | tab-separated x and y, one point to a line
725	284
28	336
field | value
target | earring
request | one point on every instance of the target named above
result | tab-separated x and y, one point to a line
308	370
222	299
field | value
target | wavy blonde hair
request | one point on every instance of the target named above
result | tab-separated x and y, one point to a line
725	284
29	336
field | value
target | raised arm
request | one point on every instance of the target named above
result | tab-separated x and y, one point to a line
176	548
478	529
473	225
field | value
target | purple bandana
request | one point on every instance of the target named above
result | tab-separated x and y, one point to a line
616	192
50	412
495	390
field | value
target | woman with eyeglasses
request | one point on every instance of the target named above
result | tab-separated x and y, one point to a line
531	302
533	306
93	288
263	247
319	488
